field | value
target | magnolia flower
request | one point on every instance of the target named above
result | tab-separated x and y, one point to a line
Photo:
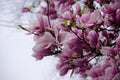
108	51
90	19
95	72
112	13
44	46
92	38
40	26
110	73
67	15
64	64
76	9
112	7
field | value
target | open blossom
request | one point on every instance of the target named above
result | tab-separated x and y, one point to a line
76	8
96	17
110	73
112	7
90	19
108	51
95	72
112	13
68	61
41	25
74	44
64	64
44	46
67	15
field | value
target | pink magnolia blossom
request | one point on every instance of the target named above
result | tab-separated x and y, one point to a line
112	7
76	8
44	46
95	72
110	73
92	38
108	51
42	23
67	15
90	19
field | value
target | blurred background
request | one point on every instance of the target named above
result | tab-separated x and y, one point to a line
16	62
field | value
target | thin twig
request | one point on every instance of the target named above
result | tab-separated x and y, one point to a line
48	16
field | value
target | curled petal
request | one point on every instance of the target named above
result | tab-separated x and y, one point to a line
65	69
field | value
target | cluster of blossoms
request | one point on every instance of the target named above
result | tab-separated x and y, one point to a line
83	34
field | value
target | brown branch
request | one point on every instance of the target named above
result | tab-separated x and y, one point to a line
48	16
